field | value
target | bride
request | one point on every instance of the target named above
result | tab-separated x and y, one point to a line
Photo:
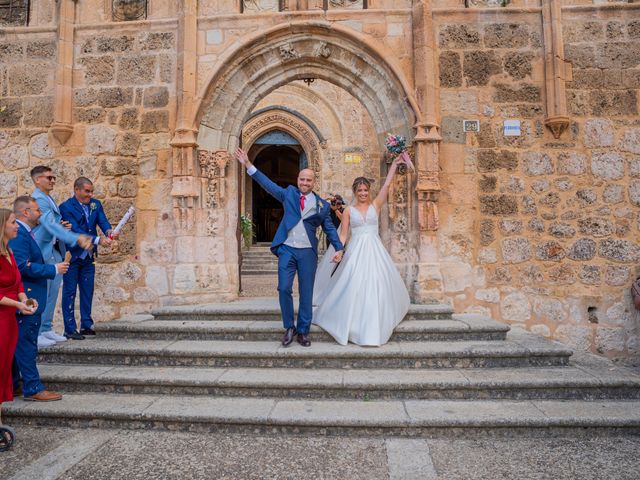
364	298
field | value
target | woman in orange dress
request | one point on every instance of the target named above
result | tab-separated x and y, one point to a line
12	298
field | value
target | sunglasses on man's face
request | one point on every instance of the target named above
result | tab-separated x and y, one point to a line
51	178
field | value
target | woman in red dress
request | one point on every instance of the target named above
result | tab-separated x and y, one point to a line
12	298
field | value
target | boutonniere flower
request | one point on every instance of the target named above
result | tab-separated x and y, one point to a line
319	205
93	206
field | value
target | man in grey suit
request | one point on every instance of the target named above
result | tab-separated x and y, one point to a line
51	237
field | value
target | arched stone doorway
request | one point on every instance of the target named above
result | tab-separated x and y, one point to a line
276	57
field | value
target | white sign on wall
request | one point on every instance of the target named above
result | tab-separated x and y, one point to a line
512	128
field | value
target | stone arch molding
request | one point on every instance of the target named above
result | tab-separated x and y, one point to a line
294	51
278	119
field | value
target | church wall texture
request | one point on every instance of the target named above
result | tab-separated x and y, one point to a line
537	231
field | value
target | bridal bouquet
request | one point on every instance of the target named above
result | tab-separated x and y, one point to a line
397	145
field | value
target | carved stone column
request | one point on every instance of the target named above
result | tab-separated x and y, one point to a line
427	139
186	189
213	166
555	71
62	128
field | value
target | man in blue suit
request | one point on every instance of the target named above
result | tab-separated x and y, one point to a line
296	245
35	273
85	214
51	237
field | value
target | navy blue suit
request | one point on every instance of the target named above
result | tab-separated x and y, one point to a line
35	274
302	260
81	273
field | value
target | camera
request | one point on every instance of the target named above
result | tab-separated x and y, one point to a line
337	203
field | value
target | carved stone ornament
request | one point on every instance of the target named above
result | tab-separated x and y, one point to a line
127	10
288	52
323	50
213	167
557	125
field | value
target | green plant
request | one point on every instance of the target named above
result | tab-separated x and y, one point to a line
247	230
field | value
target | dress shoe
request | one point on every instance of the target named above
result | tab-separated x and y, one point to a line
303	339
87	332
44	342
17	391
288	336
74	336
44	396
51	335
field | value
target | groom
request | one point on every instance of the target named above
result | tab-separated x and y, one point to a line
296	245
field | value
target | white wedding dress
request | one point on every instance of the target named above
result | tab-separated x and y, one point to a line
365	298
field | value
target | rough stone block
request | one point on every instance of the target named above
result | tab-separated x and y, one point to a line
506	35
630	141
487	232
459	102
615	30
551	309
513	185
114	167
510	226
613	102
590	275
617	275
11	52
100	139
608	165
583	249
515	307
536	225
529	205
562	275
114	97
137	70
504	93
633	29
128	187
550	251
492	160
596	227
38	111
8	185
572	163
90	115
458	36
563	184
128	144
613	194
582	31
618	55
40	147
12	113
622	251
578	102
156	279
452	130
498	205
588	78
155	121
157	40
598	132
119	44
98	70
28	79
610	340
487	183
634	192
14	157
551	199
450	70
44	49
518	64
490	295
562	230
537	163
156	97
515	250
479	66
487	255
129	119
166	68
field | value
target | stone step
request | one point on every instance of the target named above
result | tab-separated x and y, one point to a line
520	349
356	417
524	383
268	309
264	271
465	328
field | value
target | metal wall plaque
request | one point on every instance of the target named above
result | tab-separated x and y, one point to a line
127	10
471	126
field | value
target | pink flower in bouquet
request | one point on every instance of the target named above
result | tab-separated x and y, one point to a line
396	144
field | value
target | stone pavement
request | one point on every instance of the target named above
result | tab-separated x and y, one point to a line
46	453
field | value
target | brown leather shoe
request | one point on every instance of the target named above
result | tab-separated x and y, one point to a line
44	396
288	336
303	339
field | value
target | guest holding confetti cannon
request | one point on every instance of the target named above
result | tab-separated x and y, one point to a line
85	214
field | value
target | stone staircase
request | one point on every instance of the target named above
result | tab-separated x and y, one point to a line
259	260
221	368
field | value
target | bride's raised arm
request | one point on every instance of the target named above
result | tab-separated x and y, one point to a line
344	225
381	199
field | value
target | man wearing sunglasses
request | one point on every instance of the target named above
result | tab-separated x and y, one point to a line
51	237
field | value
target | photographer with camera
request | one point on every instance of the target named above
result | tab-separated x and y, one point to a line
337	207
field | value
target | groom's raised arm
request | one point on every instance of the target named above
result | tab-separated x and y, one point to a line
265	182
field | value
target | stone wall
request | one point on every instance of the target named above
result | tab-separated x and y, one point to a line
550	237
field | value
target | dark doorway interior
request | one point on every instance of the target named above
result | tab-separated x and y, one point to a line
281	164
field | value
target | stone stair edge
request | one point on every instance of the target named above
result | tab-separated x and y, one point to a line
322	413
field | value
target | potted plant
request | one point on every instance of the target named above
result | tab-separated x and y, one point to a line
246	230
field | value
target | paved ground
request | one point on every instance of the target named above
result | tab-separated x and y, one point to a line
63	453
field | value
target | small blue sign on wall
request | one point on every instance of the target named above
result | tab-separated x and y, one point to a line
511	128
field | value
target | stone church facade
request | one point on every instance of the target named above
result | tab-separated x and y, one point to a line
537	226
